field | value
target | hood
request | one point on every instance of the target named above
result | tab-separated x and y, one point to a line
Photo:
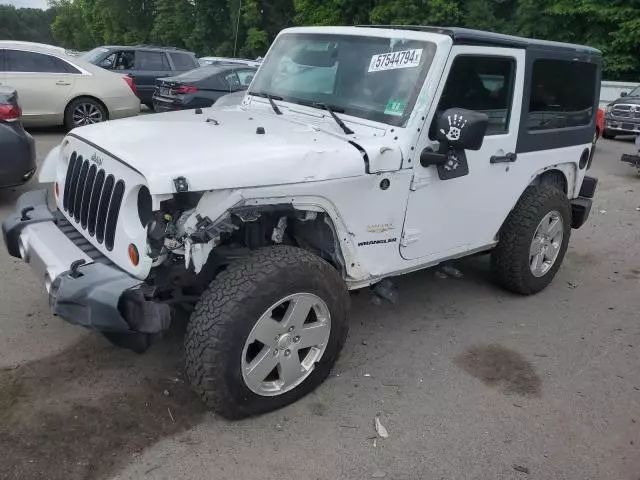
231	148
635	100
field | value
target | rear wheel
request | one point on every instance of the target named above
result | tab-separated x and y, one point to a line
533	240
84	111
607	134
266	332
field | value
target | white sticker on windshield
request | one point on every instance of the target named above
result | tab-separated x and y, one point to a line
395	60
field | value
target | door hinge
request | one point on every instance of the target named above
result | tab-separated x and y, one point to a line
410	236
418	182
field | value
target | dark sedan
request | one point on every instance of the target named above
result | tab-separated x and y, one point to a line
202	87
17	149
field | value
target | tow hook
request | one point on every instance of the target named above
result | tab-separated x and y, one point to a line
74	273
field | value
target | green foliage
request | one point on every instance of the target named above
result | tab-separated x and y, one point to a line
29	24
247	27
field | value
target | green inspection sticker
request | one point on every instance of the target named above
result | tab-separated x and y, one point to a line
395	108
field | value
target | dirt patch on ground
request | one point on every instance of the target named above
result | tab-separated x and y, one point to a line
501	368
88	410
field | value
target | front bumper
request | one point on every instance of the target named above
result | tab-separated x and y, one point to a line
581	206
82	290
622	126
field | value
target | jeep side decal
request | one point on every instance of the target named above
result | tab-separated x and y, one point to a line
377	242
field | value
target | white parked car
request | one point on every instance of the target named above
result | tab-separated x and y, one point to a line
358	154
59	89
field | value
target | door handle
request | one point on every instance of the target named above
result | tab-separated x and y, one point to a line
508	158
62	83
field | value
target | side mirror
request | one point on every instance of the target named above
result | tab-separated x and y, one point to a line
623	94
461	129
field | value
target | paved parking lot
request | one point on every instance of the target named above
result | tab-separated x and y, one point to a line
471	382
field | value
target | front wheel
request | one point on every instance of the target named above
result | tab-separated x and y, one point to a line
533	240
266	332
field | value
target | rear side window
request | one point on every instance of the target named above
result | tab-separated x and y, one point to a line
562	94
31	62
245	76
151	61
183	61
232	81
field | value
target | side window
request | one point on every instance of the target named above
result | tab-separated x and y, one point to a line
562	94
2	67
123	60
245	76
31	62
64	66
151	61
183	61
232	80
483	84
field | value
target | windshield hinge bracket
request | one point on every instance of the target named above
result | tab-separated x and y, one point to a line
418	182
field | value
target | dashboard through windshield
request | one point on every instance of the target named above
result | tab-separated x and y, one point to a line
375	78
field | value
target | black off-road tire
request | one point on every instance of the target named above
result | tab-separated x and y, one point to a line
229	309
510	260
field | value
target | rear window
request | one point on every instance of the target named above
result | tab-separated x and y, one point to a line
183	61
198	74
562	94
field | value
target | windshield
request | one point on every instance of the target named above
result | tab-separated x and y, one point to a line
376	78
635	92
94	55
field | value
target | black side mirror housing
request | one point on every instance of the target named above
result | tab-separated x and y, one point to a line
460	129
624	94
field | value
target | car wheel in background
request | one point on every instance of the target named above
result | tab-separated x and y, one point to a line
84	111
608	135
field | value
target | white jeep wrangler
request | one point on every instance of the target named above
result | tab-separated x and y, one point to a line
357	154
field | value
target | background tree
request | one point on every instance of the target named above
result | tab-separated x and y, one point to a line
209	27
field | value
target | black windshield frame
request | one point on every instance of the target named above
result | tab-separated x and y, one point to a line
354	62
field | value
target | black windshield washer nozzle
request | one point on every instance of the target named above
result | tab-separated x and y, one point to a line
260	131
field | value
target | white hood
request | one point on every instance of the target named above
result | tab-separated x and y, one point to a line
223	149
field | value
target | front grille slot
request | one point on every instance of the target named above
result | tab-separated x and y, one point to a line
626	111
103	208
93	199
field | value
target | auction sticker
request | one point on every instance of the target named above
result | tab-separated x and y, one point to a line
395	60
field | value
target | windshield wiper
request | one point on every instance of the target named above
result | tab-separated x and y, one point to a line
271	99
332	112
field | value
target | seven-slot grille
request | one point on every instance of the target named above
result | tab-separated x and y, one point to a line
626	111
93	198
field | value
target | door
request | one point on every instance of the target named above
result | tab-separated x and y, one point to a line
464	212
148	67
44	84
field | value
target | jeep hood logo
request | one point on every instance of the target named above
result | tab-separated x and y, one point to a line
95	158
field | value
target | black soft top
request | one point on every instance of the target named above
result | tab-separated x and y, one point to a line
466	36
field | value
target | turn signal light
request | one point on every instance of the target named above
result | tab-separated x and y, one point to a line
133	255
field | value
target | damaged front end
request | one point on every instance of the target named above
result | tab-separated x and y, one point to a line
193	236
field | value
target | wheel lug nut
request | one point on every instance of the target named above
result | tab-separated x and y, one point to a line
275	352
287	353
296	339
291	329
